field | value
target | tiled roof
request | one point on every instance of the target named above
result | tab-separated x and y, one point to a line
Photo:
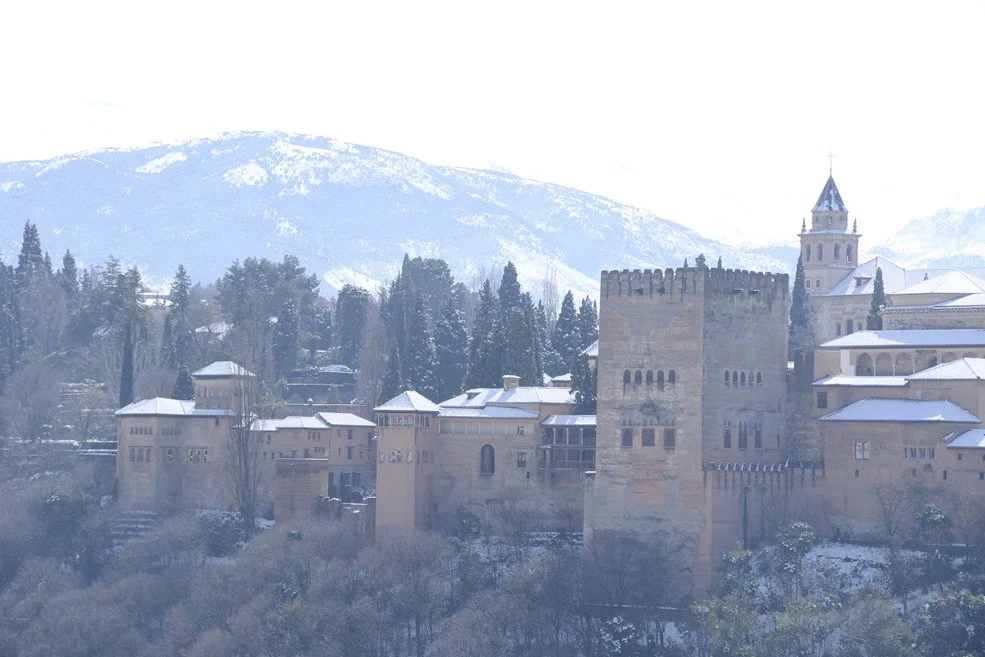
830	198
222	368
409	402
569	421
962	369
901	410
909	339
170	407
862	381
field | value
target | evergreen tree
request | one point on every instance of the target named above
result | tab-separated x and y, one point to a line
588	323
184	386
519	353
30	261
126	372
874	321
567	338
9	326
584	385
321	330
69	276
720	263
484	365
393	382
420	356
287	336
509	291
799	316
543	337
451	341
351	314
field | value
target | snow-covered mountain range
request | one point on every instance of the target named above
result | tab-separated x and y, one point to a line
348	212
950	238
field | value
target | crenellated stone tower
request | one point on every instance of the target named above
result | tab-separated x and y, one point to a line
691	402
828	250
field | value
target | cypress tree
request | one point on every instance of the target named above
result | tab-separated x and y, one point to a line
567	339
350	323
484	366
126	372
69	276
287	336
509	291
393	383
451	341
798	304
519	352
588	323
184	386
420	357
584	385
874	321
30	260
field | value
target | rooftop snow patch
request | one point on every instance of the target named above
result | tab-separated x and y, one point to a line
971	439
862	381
953	282
222	368
408	402
569	421
169	407
902	410
913	338
962	369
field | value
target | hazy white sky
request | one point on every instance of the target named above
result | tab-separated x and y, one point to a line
716	115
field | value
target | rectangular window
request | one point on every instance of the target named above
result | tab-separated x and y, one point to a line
758	438
520	430
822	400
849	328
521	459
348	434
649	437
348	453
131	455
670	438
727	436
862	450
627	437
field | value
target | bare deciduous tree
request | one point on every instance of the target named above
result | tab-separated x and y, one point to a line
898	500
242	453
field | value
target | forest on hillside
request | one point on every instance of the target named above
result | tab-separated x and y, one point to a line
97	330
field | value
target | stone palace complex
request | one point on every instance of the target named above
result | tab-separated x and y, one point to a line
703	439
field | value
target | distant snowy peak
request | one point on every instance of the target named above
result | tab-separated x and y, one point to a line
950	238
349	213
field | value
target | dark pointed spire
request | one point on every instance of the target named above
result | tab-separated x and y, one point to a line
830	198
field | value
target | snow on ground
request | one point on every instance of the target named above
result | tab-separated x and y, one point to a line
250	174
10	186
157	165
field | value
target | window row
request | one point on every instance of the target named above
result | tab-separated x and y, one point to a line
141	431
818	252
568	436
170	431
737	378
851	326
140	454
648	379
918	453
421	456
648	437
316	435
743	429
403	420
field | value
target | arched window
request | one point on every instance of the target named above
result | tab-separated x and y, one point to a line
884	365
140	455
649	377
728	379
807	253
487	460
626	376
660	379
933	361
742	378
735	378
727	435
743	435
848	253
863	366
820	252
904	365
837	328
759	378
671	378
849	327
639	377
837	252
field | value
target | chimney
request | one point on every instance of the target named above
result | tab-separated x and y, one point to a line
510	381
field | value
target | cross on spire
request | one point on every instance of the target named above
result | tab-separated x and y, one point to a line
831	158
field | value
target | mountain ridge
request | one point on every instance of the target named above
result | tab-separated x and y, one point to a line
348	211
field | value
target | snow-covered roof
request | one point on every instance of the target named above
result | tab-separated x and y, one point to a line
830	198
973	438
222	368
962	369
170	407
408	402
862	381
592	350
265	424
344	420
862	279
300	422
562	378
479	397
902	410
219	329
953	282
569	421
496	412
967	301
912	338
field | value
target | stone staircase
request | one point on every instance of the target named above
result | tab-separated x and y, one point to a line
133	525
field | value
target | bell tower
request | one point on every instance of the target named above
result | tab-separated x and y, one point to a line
829	250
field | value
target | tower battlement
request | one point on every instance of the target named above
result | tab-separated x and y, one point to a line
672	283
